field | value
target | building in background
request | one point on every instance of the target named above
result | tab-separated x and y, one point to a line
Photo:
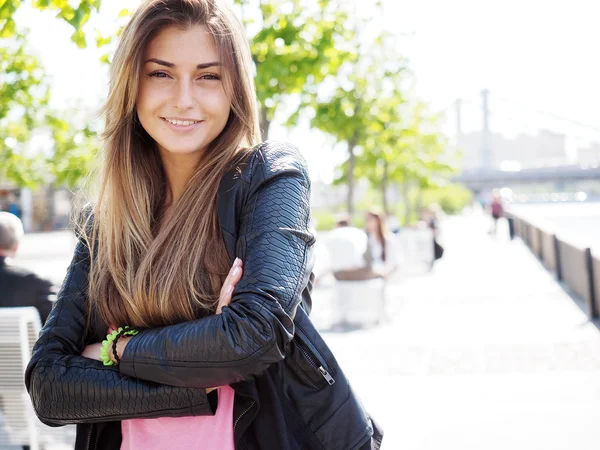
589	156
546	149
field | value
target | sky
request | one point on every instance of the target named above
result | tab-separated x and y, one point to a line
533	56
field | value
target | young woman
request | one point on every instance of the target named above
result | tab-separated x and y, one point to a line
221	359
384	257
383	253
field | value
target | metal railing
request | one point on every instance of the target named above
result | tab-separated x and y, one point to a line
575	266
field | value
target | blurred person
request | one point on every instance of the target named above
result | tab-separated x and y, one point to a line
382	246
19	287
197	258
431	218
383	253
496	209
13	205
350	257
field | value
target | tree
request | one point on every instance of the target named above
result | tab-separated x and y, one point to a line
24	99
360	108
75	149
298	44
76	17
408	151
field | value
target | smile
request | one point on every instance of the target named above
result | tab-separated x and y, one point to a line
180	122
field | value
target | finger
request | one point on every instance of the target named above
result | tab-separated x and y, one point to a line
234	277
236	274
231	283
234	266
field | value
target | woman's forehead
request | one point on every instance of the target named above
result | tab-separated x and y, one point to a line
183	46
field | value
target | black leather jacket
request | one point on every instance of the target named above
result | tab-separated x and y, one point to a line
290	391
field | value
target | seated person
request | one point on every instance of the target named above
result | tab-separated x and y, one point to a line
19	287
351	258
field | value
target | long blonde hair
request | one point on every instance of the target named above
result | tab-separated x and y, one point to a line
145	271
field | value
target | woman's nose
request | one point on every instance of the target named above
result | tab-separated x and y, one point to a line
184	99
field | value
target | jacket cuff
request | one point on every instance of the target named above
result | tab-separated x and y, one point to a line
127	367
127	363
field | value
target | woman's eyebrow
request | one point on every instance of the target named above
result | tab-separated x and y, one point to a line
171	65
160	61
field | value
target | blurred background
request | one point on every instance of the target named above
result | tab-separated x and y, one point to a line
469	128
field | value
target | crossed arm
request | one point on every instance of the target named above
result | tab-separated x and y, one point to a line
165	371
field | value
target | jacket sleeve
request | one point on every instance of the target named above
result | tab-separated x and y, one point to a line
276	247
42	291
68	388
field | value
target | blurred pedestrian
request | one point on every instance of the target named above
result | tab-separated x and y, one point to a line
496	209
350	258
20	287
197	257
431	217
383	253
382	245
13	205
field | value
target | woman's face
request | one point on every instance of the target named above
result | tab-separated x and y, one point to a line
371	223
181	101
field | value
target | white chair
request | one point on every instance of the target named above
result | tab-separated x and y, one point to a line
19	330
355	302
415	249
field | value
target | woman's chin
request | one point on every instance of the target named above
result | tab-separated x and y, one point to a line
181	150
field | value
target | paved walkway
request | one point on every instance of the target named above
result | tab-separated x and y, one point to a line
487	352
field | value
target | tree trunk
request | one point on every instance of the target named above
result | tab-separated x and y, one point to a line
350	178
265	123
407	205
50	208
419	202
384	189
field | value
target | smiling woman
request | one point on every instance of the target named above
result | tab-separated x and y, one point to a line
182	103
197	259
181	89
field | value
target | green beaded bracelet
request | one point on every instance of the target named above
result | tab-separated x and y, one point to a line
107	343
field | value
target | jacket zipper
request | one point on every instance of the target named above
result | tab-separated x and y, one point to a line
313	361
242	414
89	437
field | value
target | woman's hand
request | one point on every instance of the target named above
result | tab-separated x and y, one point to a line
92	351
233	278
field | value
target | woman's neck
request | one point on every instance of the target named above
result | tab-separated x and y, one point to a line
178	171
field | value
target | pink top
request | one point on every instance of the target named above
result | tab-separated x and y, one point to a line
193	433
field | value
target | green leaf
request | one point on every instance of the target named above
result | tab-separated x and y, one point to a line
9	29
79	39
101	41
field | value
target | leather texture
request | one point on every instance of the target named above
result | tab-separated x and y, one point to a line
288	384
276	247
67	388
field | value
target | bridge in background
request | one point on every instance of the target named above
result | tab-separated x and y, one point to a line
483	179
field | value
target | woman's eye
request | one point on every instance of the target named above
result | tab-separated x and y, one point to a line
158	74
210	76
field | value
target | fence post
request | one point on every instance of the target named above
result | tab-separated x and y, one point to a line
589	265
511	227
558	260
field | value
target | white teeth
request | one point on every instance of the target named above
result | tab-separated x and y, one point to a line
181	122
